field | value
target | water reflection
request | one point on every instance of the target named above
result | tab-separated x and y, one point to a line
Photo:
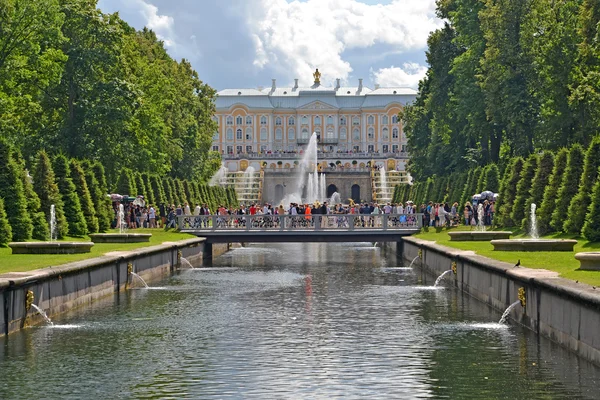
291	321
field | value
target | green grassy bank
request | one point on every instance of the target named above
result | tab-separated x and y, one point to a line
562	262
27	262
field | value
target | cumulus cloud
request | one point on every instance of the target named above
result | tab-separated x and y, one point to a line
300	36
408	75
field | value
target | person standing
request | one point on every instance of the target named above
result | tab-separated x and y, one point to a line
152	217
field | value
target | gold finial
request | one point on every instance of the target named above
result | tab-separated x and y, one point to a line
454	269
29	299
521	296
317	76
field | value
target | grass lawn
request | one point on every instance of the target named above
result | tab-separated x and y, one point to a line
27	262
562	262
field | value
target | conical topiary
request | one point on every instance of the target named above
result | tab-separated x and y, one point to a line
13	193
149	193
544	216
158	190
140	185
524	189
96	179
538	186
492	180
68	192
507	193
125	183
568	187
580	203
85	197
5	229
591	228
481	181
44	184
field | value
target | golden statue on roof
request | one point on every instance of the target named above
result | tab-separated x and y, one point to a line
317	76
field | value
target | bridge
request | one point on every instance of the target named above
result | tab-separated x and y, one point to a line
301	228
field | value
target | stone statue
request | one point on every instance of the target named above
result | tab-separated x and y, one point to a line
317	76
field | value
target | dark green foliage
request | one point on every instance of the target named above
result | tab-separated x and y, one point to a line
481	181
568	187
13	193
44	184
179	189
580	203
551	192
512	175
524	189
158	190
168	191
149	191
5	229
126	183
465	195
84	195
140	185
538	185
71	204
41	231
101	201
189	192
492	179
591	228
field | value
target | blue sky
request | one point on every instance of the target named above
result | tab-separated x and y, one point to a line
246	43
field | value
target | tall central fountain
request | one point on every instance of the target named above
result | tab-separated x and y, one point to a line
311	186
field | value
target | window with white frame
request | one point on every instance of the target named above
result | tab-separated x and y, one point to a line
248	134
248	149
291	134
371	148
305	133
385	133
395	133
239	149
278	121
356	134
239	135
263	120
291	121
215	148
404	148
394	148
342	121
330	133
278	134
355	121
370	133
370	120
229	134
263	148
230	120
216	135
317	120
343	134
229	149
329	120
386	148
304	120
263	134
395	119
385	120
248	120
356	149
239	120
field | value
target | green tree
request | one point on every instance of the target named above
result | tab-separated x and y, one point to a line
504	206
126	183
568	187
492	178
5	229
549	202
102	203
524	189
149	191
68	191
591	228
158	189
538	186
84	195
44	184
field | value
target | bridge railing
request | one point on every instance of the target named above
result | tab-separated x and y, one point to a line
321	223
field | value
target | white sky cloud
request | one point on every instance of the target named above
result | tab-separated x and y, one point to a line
408	75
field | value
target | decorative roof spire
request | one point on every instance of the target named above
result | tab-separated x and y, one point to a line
317	76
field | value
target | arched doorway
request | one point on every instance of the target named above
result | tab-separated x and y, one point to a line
278	194
356	193
331	189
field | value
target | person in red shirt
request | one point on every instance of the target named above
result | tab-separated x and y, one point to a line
252	209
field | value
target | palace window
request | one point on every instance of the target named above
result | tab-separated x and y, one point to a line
395	119
355	121
343	121
317	120
386	134
371	120
305	120
394	148
371	133
386	148
229	149
291	134
404	148
263	120
263	148
278	121
330	120
248	120
395	133
263	134
385	120
356	149
356	135
292	121
239	149
239	120
248	149
238	134
278	134
216	135
343	134
229	134
371	148
330	133
230	120
305	133
248	133
215	148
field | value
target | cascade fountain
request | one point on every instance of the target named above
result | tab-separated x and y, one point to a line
534	243
43	314
122	236
439	278
220	177
335	198
53	246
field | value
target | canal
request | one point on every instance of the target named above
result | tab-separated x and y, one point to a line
291	321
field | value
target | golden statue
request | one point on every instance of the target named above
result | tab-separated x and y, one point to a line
317	76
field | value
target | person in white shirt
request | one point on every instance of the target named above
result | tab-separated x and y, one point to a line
197	209
152	217
186	209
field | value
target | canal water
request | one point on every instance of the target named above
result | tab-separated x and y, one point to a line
291	321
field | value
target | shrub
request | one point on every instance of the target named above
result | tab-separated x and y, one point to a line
580	203
71	204
96	180
523	189
44	184
158	190
551	192
126	183
591	228
5	229
140	185
465	196
149	192
481	180
41	230
568	187
85	197
507	193
492	181
538	185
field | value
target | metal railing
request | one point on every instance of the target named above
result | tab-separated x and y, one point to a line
321	155
301	223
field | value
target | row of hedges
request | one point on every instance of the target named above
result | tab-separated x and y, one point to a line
564	186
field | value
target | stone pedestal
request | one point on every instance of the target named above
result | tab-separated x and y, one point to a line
50	247
589	261
120	237
478	236
534	244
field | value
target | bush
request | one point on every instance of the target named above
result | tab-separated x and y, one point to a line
523	189
41	230
13	193
481	180
44	184
591	228
580	203
68	191
158	190
168	191
506	198
140	185
550	194
568	187
126	183
5	229
85	198
465	195
492	179
538	186
149	192
96	180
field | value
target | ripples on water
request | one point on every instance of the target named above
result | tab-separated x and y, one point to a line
290	321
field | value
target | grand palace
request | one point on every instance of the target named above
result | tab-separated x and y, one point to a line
268	128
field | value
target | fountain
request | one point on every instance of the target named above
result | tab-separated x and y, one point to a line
43	314
139	278
335	198
220	177
441	277
480	234
186	263
413	261
534	243
122	236
310	182
506	312
53	246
